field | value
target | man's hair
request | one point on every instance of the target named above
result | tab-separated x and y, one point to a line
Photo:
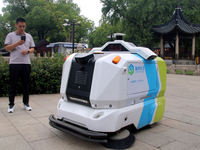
20	20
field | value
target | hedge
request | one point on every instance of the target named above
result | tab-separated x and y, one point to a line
45	77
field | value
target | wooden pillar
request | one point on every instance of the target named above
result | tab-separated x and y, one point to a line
177	46
161	47
69	35
193	46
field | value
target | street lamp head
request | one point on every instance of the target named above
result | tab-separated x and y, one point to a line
66	20
79	22
66	24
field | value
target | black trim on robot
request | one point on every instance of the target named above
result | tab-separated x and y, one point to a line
80	78
77	131
115	47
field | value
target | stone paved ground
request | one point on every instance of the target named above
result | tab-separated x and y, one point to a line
179	129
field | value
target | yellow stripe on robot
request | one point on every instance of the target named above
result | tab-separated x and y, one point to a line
161	99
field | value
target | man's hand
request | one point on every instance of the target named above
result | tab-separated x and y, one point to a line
24	52
20	42
12	46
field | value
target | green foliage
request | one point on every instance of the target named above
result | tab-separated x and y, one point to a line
4	30
45	77
39	22
44	19
81	32
187	72
4	77
138	16
46	74
98	37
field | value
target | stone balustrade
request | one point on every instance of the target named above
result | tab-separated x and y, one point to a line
173	68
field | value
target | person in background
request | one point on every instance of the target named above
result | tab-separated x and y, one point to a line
20	44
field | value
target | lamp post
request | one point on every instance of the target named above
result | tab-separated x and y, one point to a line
73	24
110	36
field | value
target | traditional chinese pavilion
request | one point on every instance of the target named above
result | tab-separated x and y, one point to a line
176	30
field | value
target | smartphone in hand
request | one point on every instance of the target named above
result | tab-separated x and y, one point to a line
23	37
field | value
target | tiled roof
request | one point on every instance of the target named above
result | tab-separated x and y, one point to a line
177	22
40	42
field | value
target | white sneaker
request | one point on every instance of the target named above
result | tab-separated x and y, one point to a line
11	109
27	107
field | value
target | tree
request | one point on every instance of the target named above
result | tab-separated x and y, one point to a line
5	28
45	19
138	16
38	20
60	11
191	12
98	37
82	32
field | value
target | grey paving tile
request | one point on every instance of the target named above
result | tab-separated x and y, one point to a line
53	111
88	146
3	103
139	145
53	97
175	145
41	100
193	148
22	120
153	139
181	125
35	132
7	129
174	104
176	110
15	142
193	114
195	121
197	147
48	105
3	99
178	102
179	117
39	112
181	136
3	117
51	144
186	94
44	121
197	133
192	108
65	136
37	99
158	128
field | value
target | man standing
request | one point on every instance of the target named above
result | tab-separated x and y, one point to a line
20	44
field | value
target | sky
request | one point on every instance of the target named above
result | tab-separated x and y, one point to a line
91	9
1	5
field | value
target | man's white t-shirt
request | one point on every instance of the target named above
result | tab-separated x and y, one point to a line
16	57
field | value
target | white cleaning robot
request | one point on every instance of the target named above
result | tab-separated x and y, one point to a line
109	89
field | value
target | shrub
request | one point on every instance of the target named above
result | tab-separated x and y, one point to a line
45	77
4	77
